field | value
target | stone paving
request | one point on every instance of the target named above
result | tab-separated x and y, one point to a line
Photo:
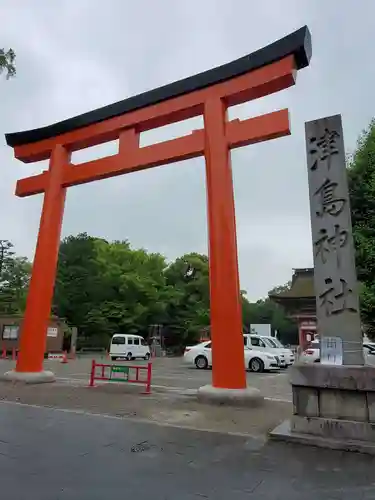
49	454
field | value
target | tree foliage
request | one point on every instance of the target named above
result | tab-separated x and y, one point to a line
7	62
105	287
14	280
361	175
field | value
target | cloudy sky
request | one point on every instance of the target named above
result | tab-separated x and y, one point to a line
75	56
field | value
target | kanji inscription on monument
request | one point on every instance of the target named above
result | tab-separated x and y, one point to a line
335	276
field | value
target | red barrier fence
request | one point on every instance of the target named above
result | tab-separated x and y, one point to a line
13	355
121	373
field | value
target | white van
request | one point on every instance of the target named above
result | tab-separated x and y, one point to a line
129	347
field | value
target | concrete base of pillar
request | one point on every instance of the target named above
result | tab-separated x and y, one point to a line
233	397
29	378
284	432
333	407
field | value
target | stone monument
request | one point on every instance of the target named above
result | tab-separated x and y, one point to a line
334	400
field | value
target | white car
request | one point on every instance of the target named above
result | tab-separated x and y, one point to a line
201	356
270	345
276	344
312	353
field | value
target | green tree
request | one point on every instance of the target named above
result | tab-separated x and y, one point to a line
134	282
108	287
78	287
103	288
7	62
361	176
267	311
14	280
188	299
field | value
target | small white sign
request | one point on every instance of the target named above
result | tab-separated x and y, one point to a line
331	350
52	331
55	356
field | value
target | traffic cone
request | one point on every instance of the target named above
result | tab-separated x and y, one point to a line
65	358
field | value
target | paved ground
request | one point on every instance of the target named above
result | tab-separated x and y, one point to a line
55	455
170	373
172	401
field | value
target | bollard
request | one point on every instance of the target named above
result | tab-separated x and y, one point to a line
149	375
4	354
64	358
92	374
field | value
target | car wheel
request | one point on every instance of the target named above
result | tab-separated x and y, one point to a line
113	358
201	362
129	356
147	357
256	365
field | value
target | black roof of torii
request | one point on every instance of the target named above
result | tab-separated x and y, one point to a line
297	43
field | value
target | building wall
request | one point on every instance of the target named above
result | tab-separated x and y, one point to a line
10	326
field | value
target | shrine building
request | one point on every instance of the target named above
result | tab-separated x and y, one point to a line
300	304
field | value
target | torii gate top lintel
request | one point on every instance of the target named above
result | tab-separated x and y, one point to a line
181	99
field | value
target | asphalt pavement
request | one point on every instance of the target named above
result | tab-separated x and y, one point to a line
51	454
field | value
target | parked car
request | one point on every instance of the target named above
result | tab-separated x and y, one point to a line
312	353
276	344
129	347
256	361
265	344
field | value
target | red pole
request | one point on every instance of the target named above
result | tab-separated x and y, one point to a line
149	374
92	374
225	296
39	298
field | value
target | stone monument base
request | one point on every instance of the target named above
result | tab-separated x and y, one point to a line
29	378
235	397
333	406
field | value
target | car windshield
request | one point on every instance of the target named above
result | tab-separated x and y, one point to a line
278	343
269	343
273	342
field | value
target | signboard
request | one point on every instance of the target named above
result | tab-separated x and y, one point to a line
262	329
331	351
10	332
52	331
308	325
55	356
119	373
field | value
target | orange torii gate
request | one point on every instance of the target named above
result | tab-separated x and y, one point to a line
263	72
